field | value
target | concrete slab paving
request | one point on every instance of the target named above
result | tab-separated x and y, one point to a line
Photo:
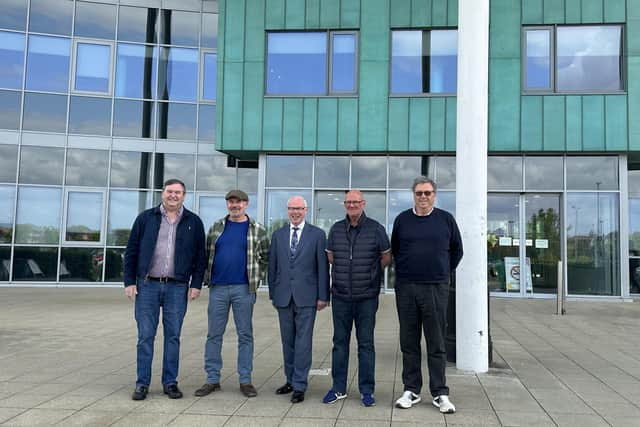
68	358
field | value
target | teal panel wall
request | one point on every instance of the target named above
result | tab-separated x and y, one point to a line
372	121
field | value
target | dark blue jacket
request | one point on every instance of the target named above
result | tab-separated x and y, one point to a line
356	273
189	260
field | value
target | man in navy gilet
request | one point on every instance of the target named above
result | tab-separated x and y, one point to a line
359	250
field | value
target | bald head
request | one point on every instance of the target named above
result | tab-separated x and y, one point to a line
296	209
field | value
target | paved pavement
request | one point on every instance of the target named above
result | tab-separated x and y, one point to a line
67	357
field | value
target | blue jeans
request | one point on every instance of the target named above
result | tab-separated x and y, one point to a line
241	301
172	297
345	314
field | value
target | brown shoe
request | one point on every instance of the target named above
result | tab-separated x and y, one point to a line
207	389
248	390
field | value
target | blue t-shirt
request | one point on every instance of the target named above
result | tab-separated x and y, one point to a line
230	261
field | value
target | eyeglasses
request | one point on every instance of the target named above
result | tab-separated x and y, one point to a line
295	209
423	193
352	202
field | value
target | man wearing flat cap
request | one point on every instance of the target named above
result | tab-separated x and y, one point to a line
238	255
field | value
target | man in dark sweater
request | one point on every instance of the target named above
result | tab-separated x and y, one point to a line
427	247
359	250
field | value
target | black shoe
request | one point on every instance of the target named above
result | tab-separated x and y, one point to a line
297	396
172	391
248	390
206	389
140	393
285	389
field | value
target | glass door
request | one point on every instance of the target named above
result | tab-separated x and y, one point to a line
542	242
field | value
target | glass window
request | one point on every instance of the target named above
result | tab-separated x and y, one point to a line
214	174
276	215
35	264
51	16
93	67
376	205
504	173
589	58
538	57
87	167
5	263
45	112
211	209
32	169
296	63
133	118
399	201
90	116
137	24
634	178
209	36
48	64
403	170
593	248
592	173
282	171
424	61
81	264
8	162
136	71
446	200
368	172
207	122
38	215
114	267
176	121
124	207
248	179
445	173
130	169
543	173
328	209
12	59
634	244
209	76
7	198
178	74
332	172
179	27
343	62
84	216
14	15
95	20
180	166
503	222
10	102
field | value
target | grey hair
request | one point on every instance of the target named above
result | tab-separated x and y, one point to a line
303	199
424	180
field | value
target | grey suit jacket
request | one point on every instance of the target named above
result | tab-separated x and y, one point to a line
303	277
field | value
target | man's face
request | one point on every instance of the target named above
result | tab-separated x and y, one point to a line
354	204
296	210
424	197
173	197
237	208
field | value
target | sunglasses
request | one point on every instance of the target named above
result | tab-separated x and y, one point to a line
423	193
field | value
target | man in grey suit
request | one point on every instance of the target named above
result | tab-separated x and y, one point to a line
298	287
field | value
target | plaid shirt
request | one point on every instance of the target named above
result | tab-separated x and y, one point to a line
257	251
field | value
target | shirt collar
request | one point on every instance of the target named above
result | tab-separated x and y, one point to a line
300	227
428	213
163	211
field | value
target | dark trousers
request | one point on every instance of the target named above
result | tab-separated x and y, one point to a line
296	332
423	306
345	314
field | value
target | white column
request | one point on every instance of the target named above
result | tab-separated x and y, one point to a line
472	341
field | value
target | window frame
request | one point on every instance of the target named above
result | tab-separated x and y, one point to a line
421	94
328	67
553	53
74	63
65	217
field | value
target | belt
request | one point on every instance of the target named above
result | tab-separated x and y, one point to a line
161	279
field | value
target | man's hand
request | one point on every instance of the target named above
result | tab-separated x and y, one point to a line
194	293
131	291
320	305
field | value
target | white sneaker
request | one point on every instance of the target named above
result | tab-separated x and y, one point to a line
445	405
407	400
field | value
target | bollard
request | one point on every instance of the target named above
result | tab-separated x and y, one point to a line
560	293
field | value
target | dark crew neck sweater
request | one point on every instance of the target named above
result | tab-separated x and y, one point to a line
425	248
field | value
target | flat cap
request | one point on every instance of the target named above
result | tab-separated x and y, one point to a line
237	194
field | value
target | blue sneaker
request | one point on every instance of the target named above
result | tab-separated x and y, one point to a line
333	396
368	400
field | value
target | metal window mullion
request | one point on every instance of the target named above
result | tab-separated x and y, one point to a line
623	227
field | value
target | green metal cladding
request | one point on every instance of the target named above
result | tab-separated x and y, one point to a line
374	122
